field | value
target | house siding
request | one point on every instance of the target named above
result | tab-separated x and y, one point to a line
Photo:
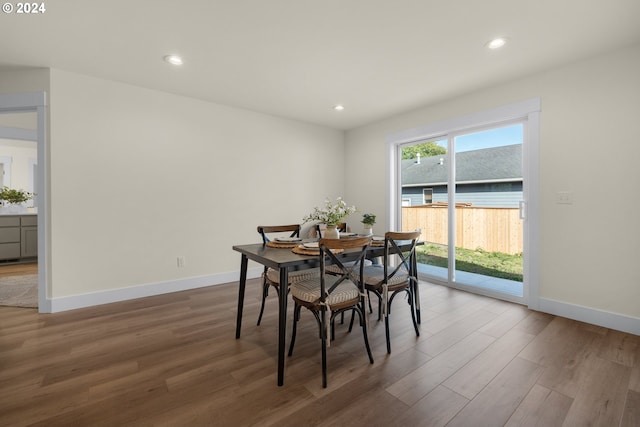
496	195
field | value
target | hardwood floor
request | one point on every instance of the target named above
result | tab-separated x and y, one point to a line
173	360
18	269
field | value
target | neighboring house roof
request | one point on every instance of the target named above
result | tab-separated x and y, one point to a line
499	164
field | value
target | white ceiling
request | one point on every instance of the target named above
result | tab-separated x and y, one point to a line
298	58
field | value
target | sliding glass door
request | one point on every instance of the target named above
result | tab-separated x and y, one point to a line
464	191
488	224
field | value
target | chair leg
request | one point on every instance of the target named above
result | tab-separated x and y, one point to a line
387	334
391	298
296	317
416	300
351	322
323	336
265	292
363	321
413	313
333	329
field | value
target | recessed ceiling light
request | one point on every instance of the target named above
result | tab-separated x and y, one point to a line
339	107
497	43
173	59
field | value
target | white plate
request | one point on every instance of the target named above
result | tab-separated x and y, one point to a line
378	238
311	245
288	239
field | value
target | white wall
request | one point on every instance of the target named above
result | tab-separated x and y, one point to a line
589	137
140	177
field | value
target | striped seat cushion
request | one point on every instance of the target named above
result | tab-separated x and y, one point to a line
335	269
309	290
294	276
374	274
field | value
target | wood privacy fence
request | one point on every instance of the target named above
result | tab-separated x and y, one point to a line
492	229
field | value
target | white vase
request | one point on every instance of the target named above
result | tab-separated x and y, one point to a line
367	230
331	232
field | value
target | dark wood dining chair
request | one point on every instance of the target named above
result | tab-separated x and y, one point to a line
334	269
328	295
396	275
271	277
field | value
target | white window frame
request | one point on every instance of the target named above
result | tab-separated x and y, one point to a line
423	198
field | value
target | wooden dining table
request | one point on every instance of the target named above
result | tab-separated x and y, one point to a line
285	261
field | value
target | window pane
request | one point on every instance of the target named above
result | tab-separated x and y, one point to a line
488	192
424	202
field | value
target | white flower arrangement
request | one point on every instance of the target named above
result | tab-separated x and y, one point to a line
331	214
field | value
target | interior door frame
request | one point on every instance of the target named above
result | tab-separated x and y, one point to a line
34	102
527	111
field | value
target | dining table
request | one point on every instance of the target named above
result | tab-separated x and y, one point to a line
286	260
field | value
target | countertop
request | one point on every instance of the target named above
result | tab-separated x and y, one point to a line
5	212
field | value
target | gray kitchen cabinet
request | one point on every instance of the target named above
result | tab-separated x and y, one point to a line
18	238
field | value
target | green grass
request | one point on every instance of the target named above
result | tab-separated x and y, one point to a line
494	264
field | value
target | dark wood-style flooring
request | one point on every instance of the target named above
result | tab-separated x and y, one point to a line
18	269
173	360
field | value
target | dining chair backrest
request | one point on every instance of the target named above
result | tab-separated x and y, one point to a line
264	230
353	270
393	240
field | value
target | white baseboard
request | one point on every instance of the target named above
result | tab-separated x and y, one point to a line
72	302
607	319
594	316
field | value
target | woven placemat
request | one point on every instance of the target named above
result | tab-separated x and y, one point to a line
282	245
301	250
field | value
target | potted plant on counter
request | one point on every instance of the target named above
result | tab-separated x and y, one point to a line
368	220
13	199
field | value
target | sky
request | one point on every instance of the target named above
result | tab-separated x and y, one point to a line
496	137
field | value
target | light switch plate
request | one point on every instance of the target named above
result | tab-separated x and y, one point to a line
564	197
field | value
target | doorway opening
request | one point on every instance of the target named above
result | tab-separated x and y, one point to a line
22	225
